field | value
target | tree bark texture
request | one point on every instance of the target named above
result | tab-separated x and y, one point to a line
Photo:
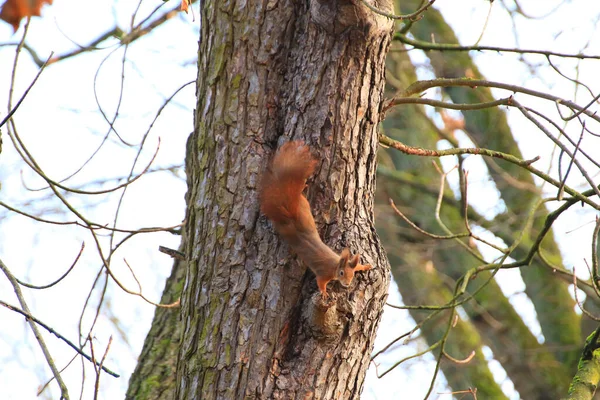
253	324
154	375
585	381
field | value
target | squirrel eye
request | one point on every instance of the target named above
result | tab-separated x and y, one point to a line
341	272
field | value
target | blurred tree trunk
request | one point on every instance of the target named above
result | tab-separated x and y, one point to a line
411	253
412	182
537	371
252	324
489	129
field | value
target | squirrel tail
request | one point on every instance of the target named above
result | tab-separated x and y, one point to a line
284	180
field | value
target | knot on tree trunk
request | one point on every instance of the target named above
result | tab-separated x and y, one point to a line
338	16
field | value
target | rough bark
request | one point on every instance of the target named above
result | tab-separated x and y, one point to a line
253	325
585	381
154	375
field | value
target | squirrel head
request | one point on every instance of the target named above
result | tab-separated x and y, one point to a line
347	266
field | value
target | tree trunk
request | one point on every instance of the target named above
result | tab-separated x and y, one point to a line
154	375
253	324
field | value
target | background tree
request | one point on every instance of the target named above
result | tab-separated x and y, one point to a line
499	326
310	73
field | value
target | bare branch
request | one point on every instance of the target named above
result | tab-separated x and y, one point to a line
412	16
36	332
30	286
420	44
420	86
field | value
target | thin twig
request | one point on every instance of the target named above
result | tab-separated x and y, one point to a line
419	354
441	353
457	361
420	86
36	332
31	318
127	182
423	45
583	310
564	179
490	153
14	109
30	286
418	151
412	16
542	128
595	277
442	104
424	232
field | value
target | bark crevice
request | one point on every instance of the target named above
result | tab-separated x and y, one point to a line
267	75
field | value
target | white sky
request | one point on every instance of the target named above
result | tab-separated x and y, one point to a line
60	124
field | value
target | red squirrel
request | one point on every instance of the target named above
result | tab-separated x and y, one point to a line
282	201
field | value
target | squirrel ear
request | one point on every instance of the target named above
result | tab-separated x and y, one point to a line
353	262
344	257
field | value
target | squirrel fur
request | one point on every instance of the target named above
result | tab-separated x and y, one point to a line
282	201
